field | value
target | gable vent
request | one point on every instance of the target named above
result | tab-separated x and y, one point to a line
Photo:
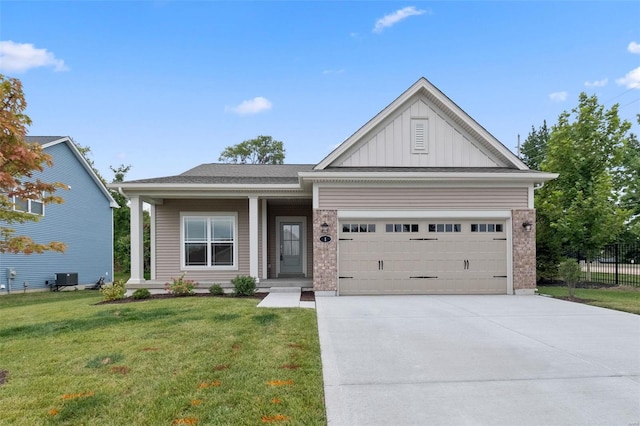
419	136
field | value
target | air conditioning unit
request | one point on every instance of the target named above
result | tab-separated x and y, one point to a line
67	278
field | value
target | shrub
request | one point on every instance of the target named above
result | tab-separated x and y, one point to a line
244	285
141	293
181	287
216	290
569	271
115	291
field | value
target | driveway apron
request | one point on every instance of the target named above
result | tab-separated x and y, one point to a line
474	360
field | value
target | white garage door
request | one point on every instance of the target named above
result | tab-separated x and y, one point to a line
441	256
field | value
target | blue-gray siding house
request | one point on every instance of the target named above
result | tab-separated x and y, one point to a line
84	222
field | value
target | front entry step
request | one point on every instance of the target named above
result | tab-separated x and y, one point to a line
285	290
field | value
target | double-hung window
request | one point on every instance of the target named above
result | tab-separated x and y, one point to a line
29	206
209	241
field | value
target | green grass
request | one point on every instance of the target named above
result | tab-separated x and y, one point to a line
625	299
156	362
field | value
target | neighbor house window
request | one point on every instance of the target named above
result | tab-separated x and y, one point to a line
29	206
209	241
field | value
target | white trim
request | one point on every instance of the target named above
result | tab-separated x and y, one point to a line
426	176
236	241
303	238
316	196
253	236
509	230
137	242
426	214
530	197
265	257
152	215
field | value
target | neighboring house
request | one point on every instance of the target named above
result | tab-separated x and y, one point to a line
420	200
84	222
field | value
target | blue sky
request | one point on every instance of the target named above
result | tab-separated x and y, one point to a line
166	85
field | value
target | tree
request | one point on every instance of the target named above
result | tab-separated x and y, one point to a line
581	209
260	150
122	227
534	148
19	163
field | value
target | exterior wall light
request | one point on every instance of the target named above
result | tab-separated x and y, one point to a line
324	228
527	226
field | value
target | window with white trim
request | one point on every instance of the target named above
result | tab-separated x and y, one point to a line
209	241
29	206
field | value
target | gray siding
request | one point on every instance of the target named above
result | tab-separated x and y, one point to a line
168	238
83	222
421	198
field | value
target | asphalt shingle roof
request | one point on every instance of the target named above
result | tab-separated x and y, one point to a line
215	173
42	139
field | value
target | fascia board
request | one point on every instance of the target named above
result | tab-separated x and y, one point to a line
87	167
142	187
426	176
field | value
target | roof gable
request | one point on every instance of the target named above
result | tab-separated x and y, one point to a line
421	128
48	141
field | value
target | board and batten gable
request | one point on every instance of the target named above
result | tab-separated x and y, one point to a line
84	222
417	135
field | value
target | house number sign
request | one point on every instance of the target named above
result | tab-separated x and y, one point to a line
325	238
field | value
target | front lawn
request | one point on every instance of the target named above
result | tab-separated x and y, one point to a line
189	360
625	299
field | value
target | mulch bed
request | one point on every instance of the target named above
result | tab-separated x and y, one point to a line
305	296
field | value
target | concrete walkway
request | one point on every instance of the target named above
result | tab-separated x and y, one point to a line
477	360
284	297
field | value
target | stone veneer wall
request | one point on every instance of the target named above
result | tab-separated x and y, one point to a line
524	251
325	255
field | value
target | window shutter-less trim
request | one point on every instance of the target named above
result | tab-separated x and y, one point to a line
419	142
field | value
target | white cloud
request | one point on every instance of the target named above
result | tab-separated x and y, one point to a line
395	17
631	80
251	106
597	83
20	57
634	47
558	96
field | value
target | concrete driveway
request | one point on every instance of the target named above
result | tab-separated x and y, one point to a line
469	360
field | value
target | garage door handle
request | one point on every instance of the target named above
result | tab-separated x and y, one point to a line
345	239
499	239
423	239
422	277
499	276
342	278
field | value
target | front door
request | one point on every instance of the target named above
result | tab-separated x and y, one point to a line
290	248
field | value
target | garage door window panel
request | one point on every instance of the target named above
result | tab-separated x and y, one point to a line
445	227
401	227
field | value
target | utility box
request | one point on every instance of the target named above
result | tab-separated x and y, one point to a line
66	278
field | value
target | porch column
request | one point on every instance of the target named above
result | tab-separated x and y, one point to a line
265	267
253	236
137	241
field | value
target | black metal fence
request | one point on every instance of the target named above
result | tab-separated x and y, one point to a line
617	264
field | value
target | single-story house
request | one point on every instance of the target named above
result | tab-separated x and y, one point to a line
84	222
420	200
